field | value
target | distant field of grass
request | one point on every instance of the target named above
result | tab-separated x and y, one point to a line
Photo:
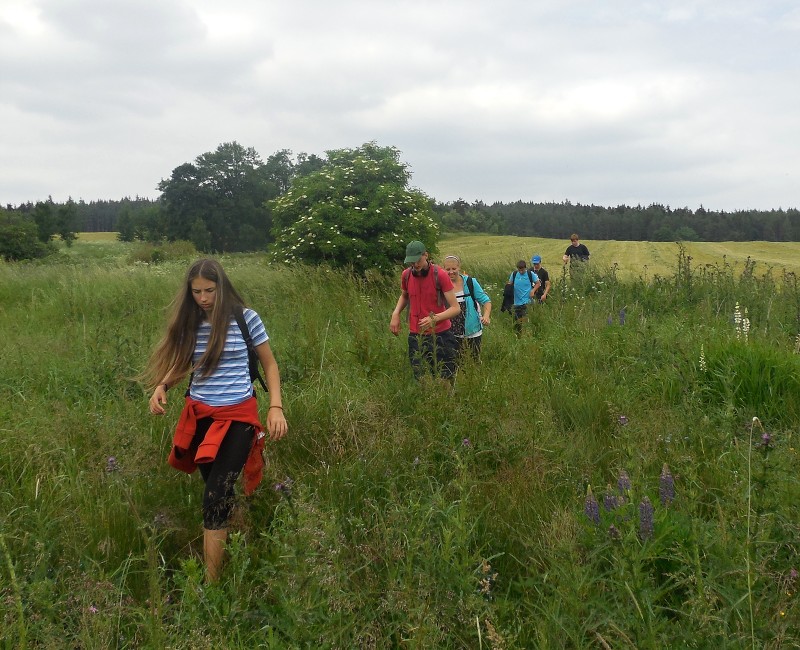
93	237
633	258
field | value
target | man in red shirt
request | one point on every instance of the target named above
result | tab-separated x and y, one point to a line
427	291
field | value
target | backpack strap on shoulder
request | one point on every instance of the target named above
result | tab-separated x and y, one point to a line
471	287
439	293
252	355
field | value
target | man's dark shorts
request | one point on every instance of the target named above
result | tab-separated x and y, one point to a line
435	354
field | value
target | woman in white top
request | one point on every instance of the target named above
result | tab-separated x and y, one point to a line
476	307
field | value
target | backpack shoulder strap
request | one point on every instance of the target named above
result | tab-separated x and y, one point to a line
252	355
439	293
471	288
530	278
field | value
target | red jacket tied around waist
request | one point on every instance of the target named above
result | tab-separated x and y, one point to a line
222	416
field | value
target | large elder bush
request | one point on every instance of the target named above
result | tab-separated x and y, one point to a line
356	212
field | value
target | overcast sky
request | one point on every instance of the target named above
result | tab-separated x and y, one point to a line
683	102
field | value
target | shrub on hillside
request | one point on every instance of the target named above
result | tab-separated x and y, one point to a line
20	241
356	212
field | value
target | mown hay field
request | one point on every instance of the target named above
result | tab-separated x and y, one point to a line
633	258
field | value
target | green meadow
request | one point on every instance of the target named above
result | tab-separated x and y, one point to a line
624	475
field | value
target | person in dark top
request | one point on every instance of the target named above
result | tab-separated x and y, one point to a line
544	279
576	250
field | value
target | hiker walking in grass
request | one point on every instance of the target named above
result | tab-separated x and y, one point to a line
210	334
475	305
522	284
576	251
428	292
544	278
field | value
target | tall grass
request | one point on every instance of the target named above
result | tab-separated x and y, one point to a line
408	515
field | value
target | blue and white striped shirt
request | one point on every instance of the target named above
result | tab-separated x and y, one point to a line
230	383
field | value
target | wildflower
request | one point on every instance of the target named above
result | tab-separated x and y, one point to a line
623	482
621	316
111	465
610	320
610	500
766	440
486	580
416	461
466	443
703	365
591	508
646	519
285	487
666	486
613	532
623	420
93	609
793	574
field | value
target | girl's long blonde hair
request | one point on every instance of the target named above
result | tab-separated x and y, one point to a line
172	356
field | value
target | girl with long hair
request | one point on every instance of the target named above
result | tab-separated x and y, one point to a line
219	429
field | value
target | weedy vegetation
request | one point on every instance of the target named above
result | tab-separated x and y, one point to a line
624	475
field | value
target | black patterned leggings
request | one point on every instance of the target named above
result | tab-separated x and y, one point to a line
220	475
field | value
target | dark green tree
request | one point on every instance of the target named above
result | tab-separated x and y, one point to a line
44	214
226	189
67	222
126	228
19	237
357	211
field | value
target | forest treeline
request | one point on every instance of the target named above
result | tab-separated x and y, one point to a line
622	223
227	200
526	219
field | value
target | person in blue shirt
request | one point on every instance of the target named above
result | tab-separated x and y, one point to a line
525	283
476	307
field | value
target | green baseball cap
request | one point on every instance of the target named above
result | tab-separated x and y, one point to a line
414	251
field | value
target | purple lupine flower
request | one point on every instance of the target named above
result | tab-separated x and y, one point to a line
591	508
610	500
112	465
623	482
766	440
666	486
646	519
623	420
621	316
285	487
